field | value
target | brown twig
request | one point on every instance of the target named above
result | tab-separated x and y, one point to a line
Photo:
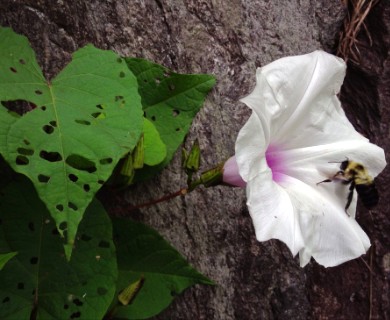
358	11
167	197
126	209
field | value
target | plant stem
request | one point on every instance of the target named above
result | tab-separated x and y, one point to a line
167	197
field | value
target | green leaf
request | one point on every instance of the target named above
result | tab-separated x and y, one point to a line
82	123
5	257
155	149
170	100
39	280
143	253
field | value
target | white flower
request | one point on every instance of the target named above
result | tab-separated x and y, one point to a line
296	132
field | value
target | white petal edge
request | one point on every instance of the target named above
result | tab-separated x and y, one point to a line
329	234
299	89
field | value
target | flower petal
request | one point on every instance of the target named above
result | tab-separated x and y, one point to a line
330	235
315	164
326	158
250	147
296	98
272	212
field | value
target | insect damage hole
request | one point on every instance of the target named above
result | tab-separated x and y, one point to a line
104	244
19	106
78	302
60	207
25	151
43	178
175	113
22	160
34	260
80	163
83	122
72	177
98	115
106	161
13	70
63	226
75	315
72	206
50	156
48	129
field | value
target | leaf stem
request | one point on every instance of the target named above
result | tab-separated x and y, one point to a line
167	197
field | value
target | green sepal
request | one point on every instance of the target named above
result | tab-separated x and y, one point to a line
128	294
192	162
139	154
209	178
126	175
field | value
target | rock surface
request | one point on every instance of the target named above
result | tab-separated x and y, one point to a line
211	227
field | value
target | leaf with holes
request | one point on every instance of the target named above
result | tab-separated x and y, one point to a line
170	101
144	254
78	126
39	281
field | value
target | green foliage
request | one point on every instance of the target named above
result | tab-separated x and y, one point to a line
67	135
142	252
170	101
155	149
82	123
39	280
5	257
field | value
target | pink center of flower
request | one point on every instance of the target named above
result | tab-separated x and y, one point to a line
275	161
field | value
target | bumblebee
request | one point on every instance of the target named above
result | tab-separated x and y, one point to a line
356	175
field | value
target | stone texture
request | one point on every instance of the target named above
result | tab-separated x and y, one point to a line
211	227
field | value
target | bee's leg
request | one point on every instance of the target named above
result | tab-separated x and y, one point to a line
350	196
326	180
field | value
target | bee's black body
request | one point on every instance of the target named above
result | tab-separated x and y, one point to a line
355	174
368	194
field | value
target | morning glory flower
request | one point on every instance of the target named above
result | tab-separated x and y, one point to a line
296	137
